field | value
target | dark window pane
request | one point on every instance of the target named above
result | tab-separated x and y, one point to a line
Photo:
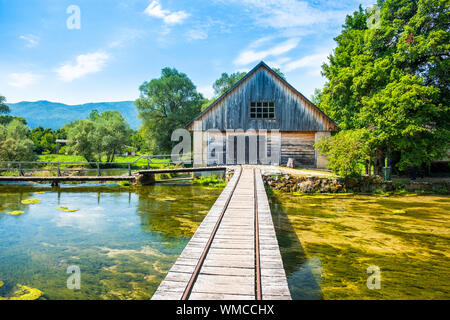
271	104
252	115
272	115
252	104
265	104
259	104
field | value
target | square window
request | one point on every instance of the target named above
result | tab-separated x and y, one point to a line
262	110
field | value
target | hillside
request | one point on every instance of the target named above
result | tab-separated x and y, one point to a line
54	115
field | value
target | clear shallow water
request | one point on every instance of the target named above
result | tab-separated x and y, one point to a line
123	241
328	242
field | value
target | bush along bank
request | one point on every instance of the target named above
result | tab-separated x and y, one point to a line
364	184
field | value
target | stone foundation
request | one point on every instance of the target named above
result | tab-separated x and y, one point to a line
144	179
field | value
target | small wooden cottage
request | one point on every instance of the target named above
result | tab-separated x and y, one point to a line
261	107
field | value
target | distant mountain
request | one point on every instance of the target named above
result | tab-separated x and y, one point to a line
54	115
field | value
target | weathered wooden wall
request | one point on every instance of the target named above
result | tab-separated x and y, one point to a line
292	112
300	146
297	145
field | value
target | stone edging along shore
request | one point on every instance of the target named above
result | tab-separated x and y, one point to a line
288	180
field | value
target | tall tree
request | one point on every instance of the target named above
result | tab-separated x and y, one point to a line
166	104
15	144
101	135
3	107
226	82
393	80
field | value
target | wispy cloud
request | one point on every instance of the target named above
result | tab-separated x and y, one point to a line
294	13
252	54
313	61
197	34
22	80
207	91
125	36
85	64
171	18
31	40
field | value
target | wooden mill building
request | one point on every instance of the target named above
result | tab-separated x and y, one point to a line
265	107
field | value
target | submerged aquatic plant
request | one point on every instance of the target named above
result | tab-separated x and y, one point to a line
25	293
16	213
66	209
31	201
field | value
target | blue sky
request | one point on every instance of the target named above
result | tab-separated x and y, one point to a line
122	43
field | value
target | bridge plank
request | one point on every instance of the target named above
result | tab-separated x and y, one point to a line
228	271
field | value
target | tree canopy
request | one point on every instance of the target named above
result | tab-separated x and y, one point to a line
15	144
392	79
3	107
165	104
104	134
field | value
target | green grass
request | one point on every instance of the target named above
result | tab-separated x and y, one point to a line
212	181
141	163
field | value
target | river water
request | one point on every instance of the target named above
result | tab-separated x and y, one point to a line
364	246
123	240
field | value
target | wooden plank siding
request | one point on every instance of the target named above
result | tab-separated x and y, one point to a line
298	145
293	112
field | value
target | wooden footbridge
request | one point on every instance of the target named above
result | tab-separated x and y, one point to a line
234	254
137	176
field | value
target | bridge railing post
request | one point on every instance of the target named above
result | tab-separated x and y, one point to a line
20	169
58	169
129	169
98	170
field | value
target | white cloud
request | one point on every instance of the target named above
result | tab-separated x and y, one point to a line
197	34
22	80
32	40
293	13
207	91
314	61
171	18
251	54
85	64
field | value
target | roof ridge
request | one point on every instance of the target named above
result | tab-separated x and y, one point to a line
251	72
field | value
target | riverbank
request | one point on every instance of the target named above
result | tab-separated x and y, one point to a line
288	182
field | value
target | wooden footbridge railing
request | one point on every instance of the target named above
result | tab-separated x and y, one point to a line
57	172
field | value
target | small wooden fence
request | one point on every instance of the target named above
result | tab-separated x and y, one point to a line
69	168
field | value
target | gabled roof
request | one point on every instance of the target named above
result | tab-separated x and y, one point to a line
248	75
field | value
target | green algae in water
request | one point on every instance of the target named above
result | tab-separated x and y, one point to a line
31	201
25	293
327	249
15	213
123	240
66	209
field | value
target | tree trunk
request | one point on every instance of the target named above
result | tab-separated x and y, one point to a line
379	162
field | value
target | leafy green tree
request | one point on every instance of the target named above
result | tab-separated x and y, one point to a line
346	152
166	104
226	82
104	134
393	81
3	107
15	144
